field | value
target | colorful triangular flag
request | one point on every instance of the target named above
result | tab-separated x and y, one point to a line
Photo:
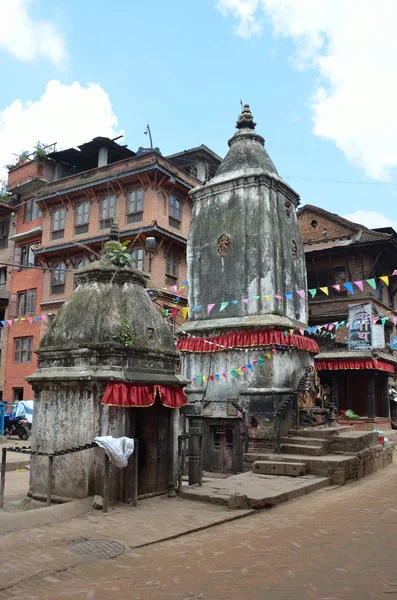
336	287
313	292
301	293
359	284
349	287
209	308
325	290
385	278
223	306
372	283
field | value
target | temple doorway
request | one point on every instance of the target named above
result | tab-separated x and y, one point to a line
151	425
223	445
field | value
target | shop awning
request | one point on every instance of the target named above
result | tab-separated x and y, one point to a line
247	339
130	395
353	364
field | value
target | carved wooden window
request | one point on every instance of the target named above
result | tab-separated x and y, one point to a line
135	206
23	347
58	277
137	258
82	218
175	213
4	228
171	264
32	211
106	212
58	224
27	303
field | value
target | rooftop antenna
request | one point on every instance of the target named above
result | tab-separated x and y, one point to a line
241	104
148	132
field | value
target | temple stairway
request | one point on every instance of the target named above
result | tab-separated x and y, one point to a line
341	453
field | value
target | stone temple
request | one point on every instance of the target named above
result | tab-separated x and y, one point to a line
241	346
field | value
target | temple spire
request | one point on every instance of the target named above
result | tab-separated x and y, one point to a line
246	120
114	232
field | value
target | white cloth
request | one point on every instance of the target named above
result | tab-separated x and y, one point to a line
24	408
117	449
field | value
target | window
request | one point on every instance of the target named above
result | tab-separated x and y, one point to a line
171	261
81	218
4	227
175	213
26	303
27	256
81	262
58	278
135	206
106	212
23	347
3	279
58	224
32	211
137	258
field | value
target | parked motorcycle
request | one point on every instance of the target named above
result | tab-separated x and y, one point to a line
16	426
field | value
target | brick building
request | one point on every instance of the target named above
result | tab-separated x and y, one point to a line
67	202
7	230
340	252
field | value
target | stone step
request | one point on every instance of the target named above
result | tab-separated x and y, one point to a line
290	469
340	467
317	432
306	450
305	441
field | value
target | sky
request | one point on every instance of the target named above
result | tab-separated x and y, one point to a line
319	76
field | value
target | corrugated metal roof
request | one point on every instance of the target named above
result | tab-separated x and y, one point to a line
326	245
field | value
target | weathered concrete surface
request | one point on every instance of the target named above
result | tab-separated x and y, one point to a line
341	468
44	550
244	244
261	490
84	348
290	469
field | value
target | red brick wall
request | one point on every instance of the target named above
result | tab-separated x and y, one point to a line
326	229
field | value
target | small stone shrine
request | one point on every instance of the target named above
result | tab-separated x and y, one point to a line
107	366
242	347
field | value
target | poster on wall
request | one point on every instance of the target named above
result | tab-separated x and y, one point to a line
360	330
394	342
378	336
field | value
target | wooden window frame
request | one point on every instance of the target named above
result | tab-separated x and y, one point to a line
105	217
57	231
59	286
19	349
139	260
174	212
83	226
32	211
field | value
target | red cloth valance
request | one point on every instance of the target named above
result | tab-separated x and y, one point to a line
131	395
353	363
247	339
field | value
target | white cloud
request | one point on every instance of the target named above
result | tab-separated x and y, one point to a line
353	46
27	39
245	11
68	115
371	219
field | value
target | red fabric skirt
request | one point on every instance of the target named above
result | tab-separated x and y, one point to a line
247	339
358	363
131	395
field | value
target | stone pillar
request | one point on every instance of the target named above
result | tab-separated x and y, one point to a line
371	396
172	436
385	401
195	426
335	391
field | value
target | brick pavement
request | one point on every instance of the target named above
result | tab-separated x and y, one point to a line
337	543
